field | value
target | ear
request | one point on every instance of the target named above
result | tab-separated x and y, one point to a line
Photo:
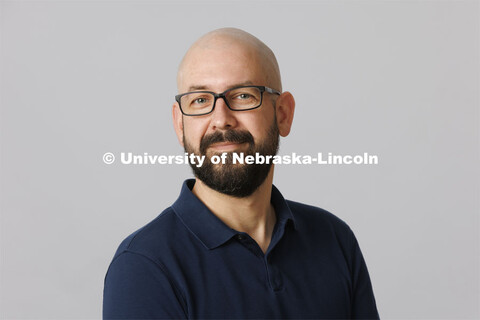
178	122
285	107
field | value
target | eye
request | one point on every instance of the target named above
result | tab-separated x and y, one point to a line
199	100
244	96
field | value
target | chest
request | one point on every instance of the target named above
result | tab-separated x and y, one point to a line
295	279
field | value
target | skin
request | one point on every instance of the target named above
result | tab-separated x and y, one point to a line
220	60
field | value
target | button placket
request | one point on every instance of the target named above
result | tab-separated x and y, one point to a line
250	244
274	275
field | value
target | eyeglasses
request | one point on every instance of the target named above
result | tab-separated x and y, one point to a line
199	103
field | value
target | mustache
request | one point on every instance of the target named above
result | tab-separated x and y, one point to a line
235	136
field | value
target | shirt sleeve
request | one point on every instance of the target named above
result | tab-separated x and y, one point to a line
363	303
137	288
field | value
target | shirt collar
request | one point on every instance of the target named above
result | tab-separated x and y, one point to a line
209	229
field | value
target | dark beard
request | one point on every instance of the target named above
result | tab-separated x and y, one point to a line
237	180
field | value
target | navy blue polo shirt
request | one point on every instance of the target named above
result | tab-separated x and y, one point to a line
187	263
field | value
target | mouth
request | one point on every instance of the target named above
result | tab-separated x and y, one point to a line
226	146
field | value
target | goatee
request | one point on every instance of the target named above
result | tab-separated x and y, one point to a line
237	180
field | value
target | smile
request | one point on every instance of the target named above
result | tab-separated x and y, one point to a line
225	146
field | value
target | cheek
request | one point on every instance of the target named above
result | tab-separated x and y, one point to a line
259	125
193	131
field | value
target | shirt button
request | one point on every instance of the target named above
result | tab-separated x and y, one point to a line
278	283
240	237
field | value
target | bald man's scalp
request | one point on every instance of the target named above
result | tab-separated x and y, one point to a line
226	37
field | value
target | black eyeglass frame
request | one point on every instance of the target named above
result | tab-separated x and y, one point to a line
224	97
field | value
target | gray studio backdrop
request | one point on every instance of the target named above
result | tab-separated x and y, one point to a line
399	79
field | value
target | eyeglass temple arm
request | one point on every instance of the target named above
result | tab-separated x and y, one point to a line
270	90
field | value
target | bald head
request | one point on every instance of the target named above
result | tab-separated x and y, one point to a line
229	45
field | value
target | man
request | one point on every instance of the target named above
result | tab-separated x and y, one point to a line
231	246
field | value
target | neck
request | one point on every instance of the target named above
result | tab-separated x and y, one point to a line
253	215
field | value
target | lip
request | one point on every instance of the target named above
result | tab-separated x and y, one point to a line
225	146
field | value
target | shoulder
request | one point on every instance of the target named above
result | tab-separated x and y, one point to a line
137	283
311	213
315	219
154	237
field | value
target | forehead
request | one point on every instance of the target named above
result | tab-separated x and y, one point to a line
218	68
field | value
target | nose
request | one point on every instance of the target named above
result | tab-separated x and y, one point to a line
222	117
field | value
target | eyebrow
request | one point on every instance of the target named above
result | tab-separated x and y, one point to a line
203	87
